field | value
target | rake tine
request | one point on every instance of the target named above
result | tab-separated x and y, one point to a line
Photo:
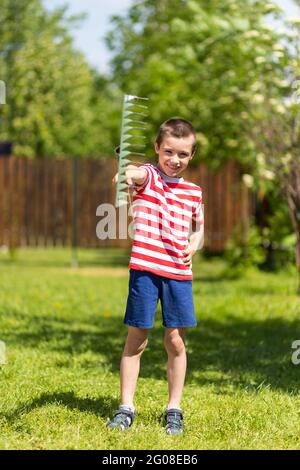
129	113
135	105
132	97
127	121
133	128
133	137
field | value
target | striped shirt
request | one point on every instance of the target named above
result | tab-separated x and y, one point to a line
163	209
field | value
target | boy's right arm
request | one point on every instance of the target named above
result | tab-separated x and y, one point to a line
134	175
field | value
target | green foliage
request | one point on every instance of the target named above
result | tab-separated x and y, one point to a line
278	254
270	244
243	250
200	60
106	106
278	238
55	105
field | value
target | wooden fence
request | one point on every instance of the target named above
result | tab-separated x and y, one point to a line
36	201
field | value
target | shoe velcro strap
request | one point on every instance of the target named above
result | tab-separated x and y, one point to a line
125	414
174	414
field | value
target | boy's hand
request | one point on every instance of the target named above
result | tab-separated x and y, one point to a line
115	178
187	256
129	181
195	243
134	175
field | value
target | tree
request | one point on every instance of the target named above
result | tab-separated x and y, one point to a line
54	100
106	106
276	129
200	60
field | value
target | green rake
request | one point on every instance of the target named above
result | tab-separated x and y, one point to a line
131	139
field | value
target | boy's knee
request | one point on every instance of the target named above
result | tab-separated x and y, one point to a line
174	345
135	345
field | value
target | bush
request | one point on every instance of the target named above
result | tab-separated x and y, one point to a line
258	249
244	251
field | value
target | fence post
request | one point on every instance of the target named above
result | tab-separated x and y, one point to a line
74	260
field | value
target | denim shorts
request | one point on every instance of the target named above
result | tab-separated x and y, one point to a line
176	297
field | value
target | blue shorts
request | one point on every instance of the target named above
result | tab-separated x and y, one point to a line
176	299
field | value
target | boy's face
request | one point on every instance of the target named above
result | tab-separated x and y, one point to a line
174	154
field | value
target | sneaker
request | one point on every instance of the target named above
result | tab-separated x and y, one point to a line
122	420
174	421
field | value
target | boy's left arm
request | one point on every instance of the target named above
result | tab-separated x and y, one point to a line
196	242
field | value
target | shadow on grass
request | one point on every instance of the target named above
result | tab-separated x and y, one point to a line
102	406
244	353
230	351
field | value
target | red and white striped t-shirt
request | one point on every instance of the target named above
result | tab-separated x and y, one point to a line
163	209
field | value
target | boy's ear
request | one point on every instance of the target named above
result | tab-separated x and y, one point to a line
194	152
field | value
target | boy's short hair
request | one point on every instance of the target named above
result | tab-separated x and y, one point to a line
176	127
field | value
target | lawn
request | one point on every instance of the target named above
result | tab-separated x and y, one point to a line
64	336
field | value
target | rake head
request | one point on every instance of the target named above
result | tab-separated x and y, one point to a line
133	124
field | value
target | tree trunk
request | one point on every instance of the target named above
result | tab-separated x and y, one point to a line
298	262
295	218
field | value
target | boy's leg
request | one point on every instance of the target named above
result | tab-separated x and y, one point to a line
136	343
176	366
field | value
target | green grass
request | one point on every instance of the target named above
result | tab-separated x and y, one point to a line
64	336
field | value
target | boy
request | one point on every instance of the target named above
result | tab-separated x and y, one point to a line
164	206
